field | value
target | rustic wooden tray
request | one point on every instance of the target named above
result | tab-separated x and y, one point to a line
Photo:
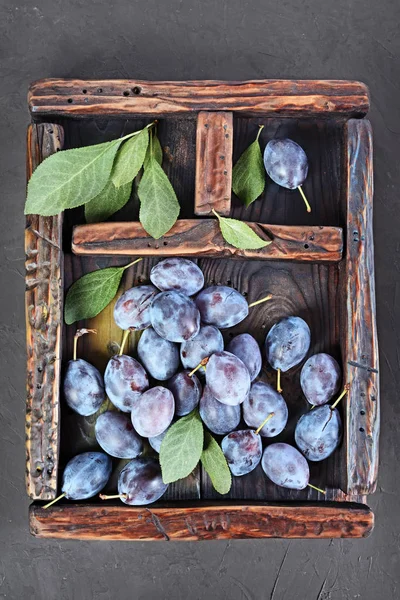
320	266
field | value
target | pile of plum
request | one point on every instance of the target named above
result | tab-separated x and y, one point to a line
223	384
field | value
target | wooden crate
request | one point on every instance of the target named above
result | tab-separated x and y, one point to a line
320	266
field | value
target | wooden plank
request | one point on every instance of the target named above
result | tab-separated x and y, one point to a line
202	238
105	522
43	303
214	145
297	98
362	359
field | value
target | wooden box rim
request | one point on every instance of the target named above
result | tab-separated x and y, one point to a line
345	101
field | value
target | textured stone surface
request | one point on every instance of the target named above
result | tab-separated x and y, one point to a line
161	40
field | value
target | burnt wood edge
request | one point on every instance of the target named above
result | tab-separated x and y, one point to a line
362	369
202	238
80	98
214	147
200	522
43	305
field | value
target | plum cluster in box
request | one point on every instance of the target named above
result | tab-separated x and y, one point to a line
182	367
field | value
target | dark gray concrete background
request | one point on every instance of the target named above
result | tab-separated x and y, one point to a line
192	39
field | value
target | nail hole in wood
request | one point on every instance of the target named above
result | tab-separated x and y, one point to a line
136	90
362	429
126	93
100	90
84	91
362	412
70	101
50	131
306	246
165	243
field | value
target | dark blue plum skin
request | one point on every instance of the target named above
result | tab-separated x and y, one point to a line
83	387
285	466
222	306
318	433
287	343
125	379
141	481
116	436
228	378
186	391
262	401
320	379
85	475
153	412
132	309
219	418
160	357
286	163
242	450
179	274
207	341
245	347
155	442
175	317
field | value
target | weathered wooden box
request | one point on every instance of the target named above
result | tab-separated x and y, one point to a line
320	266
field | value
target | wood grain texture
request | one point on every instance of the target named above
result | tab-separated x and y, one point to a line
362	358
268	97
202	238
96	521
43	304
214	145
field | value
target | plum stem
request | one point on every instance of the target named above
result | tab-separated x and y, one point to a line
202	363
54	501
129	135
346	389
259	132
304	198
124	338
264	422
112	497
79	333
315	488
278	381
260	301
132	263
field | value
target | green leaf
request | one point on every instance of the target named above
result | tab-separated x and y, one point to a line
214	462
181	448
239	234
87	297
159	207
70	178
248	174
129	159
154	149
107	202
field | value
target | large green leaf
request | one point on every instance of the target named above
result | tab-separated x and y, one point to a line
107	202
159	207
129	159
70	178
214	462
248	174
181	448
